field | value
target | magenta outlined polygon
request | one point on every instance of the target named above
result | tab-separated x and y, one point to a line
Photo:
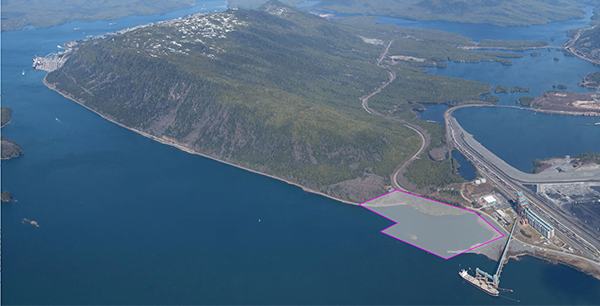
417	246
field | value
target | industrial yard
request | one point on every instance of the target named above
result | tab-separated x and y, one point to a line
586	102
581	200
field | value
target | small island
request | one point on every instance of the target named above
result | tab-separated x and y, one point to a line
501	88
492	99
535	54
525	101
6	112
10	149
559	86
556	59
519	89
6	196
591	80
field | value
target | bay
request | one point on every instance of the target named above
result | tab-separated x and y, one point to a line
520	136
126	220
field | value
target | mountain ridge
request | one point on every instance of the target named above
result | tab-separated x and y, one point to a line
275	90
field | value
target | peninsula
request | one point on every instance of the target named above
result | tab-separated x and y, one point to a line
326	105
274	90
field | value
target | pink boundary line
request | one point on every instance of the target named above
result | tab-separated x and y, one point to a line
446	258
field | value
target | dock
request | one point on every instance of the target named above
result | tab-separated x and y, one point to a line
483	280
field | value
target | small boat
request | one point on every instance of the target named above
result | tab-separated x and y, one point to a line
112	23
23	73
76	29
59	46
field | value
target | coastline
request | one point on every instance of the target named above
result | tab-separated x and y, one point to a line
190	151
489	253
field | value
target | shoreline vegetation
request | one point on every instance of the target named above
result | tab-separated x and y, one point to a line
519	89
501	89
6	196
481	250
591	80
584	43
576	161
190	151
406	75
336	147
10	149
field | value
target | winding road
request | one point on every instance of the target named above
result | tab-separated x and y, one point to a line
504	176
425	137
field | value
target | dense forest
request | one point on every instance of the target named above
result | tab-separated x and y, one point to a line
277	90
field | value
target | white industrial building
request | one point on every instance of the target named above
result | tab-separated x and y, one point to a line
489	199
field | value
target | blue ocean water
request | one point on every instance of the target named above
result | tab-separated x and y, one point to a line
126	220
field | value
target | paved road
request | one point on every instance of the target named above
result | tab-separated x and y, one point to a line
569	46
467	141
425	137
500	174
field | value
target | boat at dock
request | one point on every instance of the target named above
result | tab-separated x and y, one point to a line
479	282
484	281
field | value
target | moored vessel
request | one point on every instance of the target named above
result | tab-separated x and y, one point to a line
479	282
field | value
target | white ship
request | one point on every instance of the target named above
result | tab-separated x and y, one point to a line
479	282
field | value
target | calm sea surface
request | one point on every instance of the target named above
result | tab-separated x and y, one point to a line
125	220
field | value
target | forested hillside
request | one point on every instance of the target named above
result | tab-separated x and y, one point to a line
588	44
275	90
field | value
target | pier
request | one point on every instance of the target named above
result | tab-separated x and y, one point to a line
495	279
483	280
